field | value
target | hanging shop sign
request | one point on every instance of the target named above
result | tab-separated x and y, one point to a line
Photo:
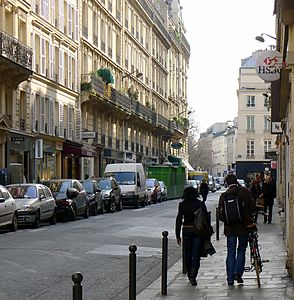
268	65
177	145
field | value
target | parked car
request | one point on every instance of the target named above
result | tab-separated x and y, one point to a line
8	211
93	191
110	193
163	190
154	186
34	203
70	196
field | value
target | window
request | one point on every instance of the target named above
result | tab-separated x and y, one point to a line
267	123
250	148
250	122
267	145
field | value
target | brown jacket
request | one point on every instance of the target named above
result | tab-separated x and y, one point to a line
244	194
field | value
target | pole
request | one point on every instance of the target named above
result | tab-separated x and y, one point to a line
77	287
217	222
164	263
132	272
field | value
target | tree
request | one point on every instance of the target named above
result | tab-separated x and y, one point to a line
193	133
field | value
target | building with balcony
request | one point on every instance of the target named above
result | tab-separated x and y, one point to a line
254	138
131	108
15	68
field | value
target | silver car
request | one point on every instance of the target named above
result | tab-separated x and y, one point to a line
8	211
34	202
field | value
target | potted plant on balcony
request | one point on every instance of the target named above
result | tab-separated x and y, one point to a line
86	86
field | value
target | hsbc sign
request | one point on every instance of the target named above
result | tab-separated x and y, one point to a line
268	65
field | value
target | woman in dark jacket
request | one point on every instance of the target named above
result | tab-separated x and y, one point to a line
193	243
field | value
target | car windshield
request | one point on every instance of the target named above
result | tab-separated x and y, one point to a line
23	192
150	183
124	178
104	184
88	186
58	186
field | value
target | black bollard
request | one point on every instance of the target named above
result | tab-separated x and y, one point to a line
164	263
77	287
217	222
184	265
132	272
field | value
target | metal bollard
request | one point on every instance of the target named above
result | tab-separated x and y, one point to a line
164	263
77	287
132	272
217	222
184	266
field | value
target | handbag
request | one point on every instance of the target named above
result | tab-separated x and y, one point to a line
260	202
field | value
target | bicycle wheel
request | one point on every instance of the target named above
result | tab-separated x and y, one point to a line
256	267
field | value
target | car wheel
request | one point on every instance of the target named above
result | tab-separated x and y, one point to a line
86	214
52	220
36	224
13	225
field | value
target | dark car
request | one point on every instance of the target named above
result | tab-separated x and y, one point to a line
111	194
70	196
154	186
93	191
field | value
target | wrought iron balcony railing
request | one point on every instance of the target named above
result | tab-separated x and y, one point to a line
15	51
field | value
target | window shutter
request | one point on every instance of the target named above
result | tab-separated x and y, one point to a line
53	12
42	114
43	56
46	9
76	73
61	16
70	122
61	74
34	50
76	25
51	61
42	12
34	112
51	116
78	124
69	20
61	121
70	60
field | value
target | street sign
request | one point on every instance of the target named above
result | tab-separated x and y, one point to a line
88	135
277	127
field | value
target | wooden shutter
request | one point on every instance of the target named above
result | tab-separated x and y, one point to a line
42	114
70	122
78	124
61	120
61	16
51	116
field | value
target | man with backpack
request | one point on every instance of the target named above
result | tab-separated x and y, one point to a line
235	209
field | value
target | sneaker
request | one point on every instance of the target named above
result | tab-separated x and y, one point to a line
238	278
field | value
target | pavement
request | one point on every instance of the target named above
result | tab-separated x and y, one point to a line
211	280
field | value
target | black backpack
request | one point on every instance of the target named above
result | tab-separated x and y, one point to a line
233	208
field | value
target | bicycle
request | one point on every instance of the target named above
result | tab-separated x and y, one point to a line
255	258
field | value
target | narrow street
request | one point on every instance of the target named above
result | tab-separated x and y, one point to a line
39	263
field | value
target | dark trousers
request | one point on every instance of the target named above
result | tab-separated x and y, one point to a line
193	246
268	208
204	197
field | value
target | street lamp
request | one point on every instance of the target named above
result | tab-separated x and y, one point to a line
188	112
261	39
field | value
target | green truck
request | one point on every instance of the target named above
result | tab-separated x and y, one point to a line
174	178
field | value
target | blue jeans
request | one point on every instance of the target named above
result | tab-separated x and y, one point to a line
193	248
235	262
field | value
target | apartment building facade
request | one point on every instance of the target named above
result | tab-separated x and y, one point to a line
254	139
62	119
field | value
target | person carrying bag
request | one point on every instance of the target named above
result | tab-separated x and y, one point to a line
194	238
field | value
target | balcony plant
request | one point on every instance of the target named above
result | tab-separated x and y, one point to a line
86	86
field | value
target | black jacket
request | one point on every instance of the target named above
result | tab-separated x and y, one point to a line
204	189
186	216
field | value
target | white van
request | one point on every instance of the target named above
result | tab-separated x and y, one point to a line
132	181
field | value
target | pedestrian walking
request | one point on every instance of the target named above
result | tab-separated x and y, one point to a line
236	207
204	189
192	239
269	194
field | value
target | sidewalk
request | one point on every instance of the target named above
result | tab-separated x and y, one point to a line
211	279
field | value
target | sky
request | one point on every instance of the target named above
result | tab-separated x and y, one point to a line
220	34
